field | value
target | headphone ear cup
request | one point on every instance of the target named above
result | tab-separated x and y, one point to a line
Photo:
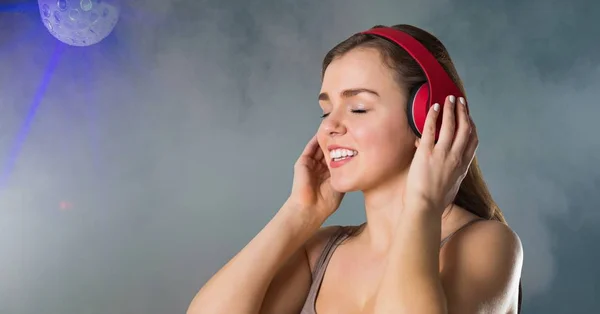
418	101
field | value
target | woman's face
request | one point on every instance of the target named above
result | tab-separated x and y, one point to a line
365	112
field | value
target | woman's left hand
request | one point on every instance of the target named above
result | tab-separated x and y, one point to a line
438	169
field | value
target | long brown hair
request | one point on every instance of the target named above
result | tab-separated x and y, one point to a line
473	194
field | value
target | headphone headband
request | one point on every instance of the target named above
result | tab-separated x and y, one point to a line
440	85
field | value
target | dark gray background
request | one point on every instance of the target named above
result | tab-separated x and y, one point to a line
174	140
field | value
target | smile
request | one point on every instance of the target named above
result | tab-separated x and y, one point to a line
341	156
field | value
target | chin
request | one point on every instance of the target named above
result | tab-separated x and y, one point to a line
345	184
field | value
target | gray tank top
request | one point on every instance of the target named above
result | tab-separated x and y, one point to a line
319	272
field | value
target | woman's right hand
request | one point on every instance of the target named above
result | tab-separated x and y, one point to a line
311	188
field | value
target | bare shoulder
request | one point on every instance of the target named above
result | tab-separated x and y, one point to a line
315	245
489	246
482	267
491	239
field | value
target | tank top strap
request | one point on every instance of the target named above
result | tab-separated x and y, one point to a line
326	249
448	237
319	271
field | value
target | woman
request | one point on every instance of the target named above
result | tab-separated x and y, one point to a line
434	241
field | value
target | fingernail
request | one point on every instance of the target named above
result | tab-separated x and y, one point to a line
452	98
436	107
462	100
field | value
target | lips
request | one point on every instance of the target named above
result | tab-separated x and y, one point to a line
340	155
336	163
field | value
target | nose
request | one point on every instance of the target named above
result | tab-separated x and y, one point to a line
333	125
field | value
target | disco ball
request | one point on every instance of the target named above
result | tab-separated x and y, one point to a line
79	22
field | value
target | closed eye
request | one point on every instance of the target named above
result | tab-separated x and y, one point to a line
359	111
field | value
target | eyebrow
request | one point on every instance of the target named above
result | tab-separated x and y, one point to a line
349	93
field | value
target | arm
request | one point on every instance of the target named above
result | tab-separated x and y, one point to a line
410	282
480	276
240	286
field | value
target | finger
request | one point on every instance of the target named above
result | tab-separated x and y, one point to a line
311	147
472	144
429	129
463	132
319	154
447	131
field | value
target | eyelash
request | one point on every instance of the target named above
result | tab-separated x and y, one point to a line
358	111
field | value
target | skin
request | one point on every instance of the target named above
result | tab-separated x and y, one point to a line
394	265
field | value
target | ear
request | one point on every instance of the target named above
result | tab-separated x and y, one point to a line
417	141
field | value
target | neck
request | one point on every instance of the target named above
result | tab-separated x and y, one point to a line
383	212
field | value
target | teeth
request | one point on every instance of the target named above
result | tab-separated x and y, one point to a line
342	153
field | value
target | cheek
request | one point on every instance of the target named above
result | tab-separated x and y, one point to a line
385	145
322	138
375	144
366	137
379	134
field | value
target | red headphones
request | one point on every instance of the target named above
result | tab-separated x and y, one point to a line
439	85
